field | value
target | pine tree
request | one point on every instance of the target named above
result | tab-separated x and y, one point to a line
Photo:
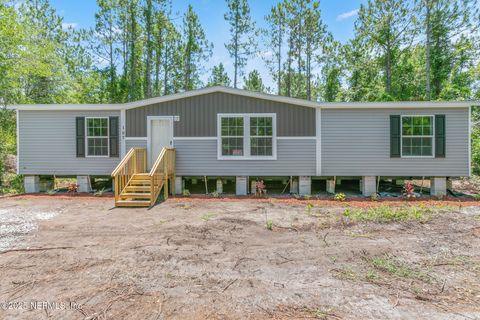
219	77
196	49
386	26
242	43
275	33
253	82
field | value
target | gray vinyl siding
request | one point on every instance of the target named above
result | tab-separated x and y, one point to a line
47	144
199	158
198	115
137	143
357	143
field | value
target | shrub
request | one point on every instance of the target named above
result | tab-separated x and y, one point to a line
12	184
260	188
186	192
374	196
72	188
408	190
339	197
215	194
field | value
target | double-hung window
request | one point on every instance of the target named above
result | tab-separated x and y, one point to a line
96	137
417	136
247	136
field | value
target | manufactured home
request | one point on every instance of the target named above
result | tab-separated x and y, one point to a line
236	136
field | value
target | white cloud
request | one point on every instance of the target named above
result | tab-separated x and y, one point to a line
69	25
347	15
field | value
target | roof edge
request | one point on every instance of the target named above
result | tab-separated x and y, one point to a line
246	93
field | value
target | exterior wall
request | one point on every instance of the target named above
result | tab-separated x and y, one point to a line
135	143
47	144
198	115
199	157
356	142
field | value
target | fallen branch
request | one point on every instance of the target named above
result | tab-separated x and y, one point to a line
36	249
325	239
229	284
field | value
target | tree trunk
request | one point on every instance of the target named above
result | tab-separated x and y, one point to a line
388	70
279	75
427	51
148	58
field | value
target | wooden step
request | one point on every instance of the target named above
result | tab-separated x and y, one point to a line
141	176
130	195
132	203
139	182
136	188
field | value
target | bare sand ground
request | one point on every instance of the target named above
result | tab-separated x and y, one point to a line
194	259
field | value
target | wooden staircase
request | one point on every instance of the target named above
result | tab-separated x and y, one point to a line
134	187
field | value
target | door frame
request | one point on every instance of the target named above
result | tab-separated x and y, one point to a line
149	134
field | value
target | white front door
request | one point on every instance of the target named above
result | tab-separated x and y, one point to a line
160	136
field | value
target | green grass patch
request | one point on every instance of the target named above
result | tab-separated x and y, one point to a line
399	268
207	216
385	213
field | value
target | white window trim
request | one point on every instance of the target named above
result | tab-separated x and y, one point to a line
86	137
431	136
246	136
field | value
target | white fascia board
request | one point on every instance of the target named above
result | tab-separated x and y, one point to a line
400	104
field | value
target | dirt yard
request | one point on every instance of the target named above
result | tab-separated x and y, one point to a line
217	259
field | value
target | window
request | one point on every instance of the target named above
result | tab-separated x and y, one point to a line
232	136
261	136
417	136
97	137
247	136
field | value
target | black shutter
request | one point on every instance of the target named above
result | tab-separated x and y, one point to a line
394	136
440	136
113	136
80	124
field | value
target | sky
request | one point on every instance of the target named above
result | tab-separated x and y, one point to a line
339	15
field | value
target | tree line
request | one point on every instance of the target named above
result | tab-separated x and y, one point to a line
137	49
401	50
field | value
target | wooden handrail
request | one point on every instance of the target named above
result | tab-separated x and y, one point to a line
162	170
135	161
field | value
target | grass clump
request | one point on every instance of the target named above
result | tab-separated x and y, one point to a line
399	268
385	213
207	216
269	224
339	197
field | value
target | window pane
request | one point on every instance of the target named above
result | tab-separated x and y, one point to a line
417	146
232	146
97	146
261	146
232	127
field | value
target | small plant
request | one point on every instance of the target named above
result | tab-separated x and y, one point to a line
409	190
186	192
307	197
215	194
72	188
207	216
260	188
339	197
51	192
374	196
100	192
308	208
269	224
477	197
